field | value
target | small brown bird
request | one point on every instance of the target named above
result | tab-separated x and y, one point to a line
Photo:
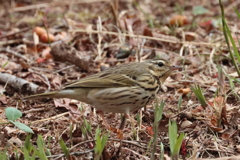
121	89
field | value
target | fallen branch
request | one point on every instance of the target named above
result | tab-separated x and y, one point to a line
18	83
65	53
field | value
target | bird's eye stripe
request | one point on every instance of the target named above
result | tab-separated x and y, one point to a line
156	62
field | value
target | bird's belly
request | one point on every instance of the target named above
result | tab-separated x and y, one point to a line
120	100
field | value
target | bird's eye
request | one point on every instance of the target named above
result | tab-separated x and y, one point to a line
160	64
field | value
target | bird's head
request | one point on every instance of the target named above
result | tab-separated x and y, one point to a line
161	68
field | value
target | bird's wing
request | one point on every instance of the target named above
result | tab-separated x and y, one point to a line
103	81
118	76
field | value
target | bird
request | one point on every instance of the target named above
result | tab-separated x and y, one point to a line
124	88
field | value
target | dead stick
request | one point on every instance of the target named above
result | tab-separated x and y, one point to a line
18	83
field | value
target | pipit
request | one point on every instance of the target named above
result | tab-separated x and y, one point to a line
121	89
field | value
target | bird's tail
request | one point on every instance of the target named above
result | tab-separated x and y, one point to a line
78	94
54	94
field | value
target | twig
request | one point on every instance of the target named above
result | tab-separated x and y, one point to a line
99	49
57	3
7	42
27	41
14	146
138	144
217	150
183	111
110	139
65	68
74	153
146	37
231	6
35	110
221	158
15	54
14	33
136	153
51	118
84	142
42	75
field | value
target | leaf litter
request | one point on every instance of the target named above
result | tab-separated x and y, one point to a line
89	37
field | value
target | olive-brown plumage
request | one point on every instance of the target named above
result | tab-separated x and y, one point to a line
121	89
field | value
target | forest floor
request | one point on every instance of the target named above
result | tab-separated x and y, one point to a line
88	36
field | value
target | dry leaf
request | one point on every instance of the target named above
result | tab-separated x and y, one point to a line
39	31
46	53
184	91
47	38
178	21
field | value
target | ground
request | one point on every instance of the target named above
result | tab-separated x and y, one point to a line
45	45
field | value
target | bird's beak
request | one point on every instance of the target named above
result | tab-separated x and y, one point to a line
175	67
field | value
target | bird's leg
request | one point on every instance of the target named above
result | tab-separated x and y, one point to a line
123	121
140	116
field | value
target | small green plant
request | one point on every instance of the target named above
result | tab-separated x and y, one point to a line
232	85
157	117
135	130
64	149
229	39
179	103
149	145
12	115
162	151
199	10
42	150
101	140
174	139
3	154
5	64
31	152
199	94
86	128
